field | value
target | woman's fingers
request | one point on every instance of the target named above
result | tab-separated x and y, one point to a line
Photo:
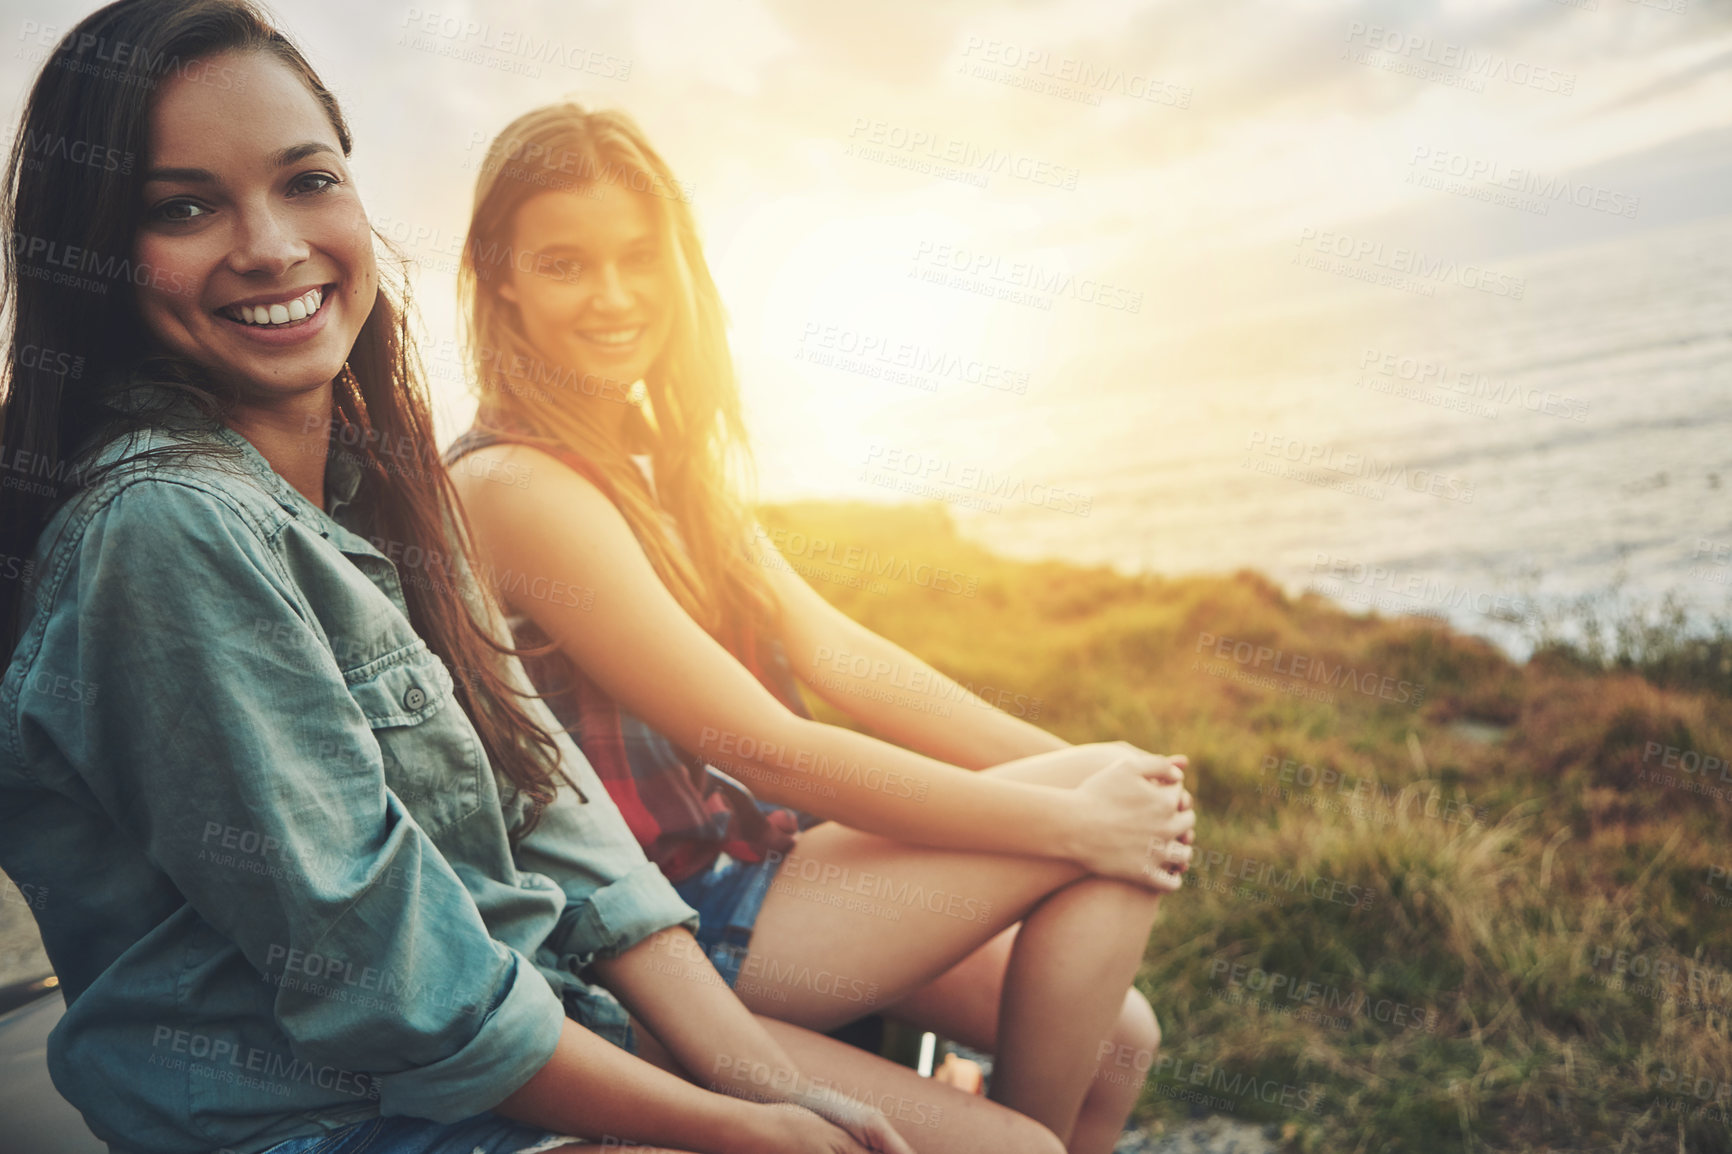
1138	814
1182	815
882	1137
1176	853
1162	881
1168	768
1163	769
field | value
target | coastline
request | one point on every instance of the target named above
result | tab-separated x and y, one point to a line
1419	859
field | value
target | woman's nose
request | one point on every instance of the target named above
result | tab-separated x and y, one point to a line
264	243
613	293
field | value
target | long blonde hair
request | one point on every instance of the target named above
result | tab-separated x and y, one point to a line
688	417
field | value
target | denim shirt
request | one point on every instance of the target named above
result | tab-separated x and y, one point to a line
270	858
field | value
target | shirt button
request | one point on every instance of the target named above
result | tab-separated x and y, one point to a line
414	698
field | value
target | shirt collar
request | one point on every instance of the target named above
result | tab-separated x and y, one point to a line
176	411
342	481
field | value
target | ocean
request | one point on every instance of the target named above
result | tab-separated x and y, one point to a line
1464	454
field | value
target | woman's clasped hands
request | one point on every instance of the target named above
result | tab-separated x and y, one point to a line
1137	820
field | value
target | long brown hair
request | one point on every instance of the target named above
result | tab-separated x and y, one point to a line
688	417
47	415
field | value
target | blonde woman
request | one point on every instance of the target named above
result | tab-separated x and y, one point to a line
974	875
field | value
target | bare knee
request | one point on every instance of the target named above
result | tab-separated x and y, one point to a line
1134	1040
1137	1023
1138	1017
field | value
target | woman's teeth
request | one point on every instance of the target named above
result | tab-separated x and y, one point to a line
615	337
298	309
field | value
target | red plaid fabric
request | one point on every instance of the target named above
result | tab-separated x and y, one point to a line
683	811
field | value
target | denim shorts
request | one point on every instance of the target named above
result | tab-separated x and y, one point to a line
728	896
487	1133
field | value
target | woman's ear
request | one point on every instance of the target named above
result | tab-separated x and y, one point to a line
508	291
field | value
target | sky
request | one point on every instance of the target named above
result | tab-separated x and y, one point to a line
866	174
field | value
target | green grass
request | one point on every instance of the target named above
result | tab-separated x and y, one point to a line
1453	935
1600	632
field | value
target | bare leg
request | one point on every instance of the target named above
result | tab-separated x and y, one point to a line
963	1004
1064	989
934	1118
892	915
856	921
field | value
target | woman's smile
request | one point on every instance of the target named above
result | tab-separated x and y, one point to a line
613	340
279	318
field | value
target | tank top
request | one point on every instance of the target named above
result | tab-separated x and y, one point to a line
683	811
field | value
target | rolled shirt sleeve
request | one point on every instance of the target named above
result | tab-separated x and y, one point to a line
205	732
615	896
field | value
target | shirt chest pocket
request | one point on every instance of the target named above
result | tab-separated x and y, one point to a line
433	756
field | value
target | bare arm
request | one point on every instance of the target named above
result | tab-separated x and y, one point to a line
592	1089
644	650
888	689
670	985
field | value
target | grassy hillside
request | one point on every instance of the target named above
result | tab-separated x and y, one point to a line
1447	902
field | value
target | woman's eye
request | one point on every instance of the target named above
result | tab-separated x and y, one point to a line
178	211
314	182
564	269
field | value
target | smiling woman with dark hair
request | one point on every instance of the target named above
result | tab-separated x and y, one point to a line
327	878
